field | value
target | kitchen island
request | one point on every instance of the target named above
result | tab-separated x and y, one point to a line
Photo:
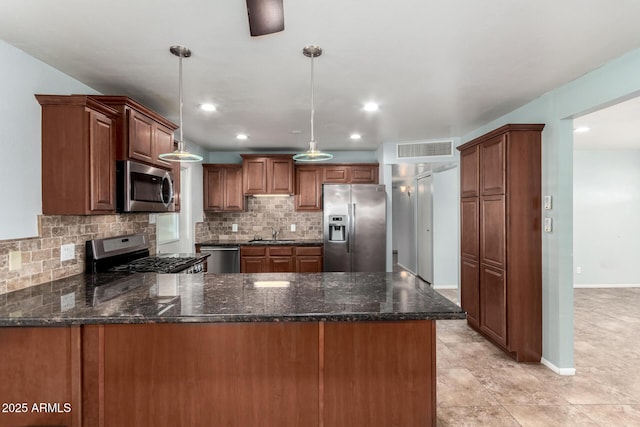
326	349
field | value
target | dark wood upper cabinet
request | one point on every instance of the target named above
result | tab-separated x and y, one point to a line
142	134
78	155
501	241
223	188
353	173
267	174
492	168
308	188
469	178
309	180
469	228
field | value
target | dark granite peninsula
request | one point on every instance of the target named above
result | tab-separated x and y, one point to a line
327	349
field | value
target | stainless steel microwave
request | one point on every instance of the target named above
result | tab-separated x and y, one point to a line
143	188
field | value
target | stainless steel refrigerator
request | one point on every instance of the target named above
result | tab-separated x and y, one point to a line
355	229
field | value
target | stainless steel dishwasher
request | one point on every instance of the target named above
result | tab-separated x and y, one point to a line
223	259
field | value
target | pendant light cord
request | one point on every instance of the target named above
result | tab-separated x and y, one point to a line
312	100
180	96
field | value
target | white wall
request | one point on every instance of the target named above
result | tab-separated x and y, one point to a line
609	84
446	229
22	76
606	208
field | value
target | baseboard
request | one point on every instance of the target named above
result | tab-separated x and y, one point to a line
454	286
559	371
605	285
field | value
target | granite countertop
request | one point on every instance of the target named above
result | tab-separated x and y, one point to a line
283	242
109	298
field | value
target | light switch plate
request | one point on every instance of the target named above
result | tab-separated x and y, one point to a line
547	202
234	228
293	227
547	225
67	252
15	260
67	301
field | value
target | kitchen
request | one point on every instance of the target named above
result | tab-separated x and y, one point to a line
25	191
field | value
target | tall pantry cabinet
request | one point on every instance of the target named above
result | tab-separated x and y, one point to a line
501	260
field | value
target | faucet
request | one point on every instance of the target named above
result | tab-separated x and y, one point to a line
274	233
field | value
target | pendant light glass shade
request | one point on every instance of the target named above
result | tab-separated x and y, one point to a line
180	154
312	154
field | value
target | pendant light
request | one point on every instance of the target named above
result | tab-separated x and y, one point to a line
180	154
312	154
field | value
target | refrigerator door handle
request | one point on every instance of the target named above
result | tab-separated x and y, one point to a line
347	237
353	225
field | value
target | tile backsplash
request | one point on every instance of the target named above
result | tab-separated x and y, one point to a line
40	256
262	214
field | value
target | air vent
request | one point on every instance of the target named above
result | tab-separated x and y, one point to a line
425	149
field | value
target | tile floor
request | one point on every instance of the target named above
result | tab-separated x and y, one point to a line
478	385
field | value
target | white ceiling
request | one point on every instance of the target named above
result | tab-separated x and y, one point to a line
437	68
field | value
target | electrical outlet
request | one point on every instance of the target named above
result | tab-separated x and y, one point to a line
548	225
67	301
234	228
15	260
67	252
293	227
578	270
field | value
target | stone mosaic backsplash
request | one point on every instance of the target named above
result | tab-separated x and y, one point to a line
262	214
40	256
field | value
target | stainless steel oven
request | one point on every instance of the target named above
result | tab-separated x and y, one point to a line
143	188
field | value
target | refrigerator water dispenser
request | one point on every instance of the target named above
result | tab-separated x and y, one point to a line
337	228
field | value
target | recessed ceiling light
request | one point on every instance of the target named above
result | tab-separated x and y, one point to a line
242	136
355	136
582	129
207	107
371	106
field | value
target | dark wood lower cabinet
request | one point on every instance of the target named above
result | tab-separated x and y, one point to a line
281	259
470	293
493	304
40	377
232	374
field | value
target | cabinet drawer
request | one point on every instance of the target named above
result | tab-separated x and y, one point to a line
253	250
308	250
281	251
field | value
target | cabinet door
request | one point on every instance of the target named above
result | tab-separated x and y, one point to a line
469	232
254	176
253	265
469	290
493	304
162	143
492	166
281	264
308	264
140	137
280	176
102	157
493	231
469	177
213	188
233	198
364	174
308	188
335	174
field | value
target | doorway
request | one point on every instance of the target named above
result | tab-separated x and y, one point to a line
424	190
